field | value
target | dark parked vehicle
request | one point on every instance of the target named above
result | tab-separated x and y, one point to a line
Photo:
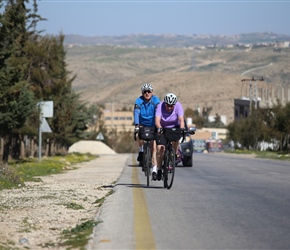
187	147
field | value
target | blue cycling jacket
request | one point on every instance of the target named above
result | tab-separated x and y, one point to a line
144	112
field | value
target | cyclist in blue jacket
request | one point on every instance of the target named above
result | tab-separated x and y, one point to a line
144	115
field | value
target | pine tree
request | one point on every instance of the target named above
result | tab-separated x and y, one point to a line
50	80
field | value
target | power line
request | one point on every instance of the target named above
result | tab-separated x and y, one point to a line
253	90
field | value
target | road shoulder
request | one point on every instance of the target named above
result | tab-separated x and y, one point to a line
36	215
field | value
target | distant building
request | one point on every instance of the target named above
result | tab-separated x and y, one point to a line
242	108
118	120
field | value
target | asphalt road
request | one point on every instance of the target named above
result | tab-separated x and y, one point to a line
222	202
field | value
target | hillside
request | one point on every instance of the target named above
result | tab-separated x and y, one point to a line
199	77
176	41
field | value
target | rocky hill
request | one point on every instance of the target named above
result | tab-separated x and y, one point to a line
209	76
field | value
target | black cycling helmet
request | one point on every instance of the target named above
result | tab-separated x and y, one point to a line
170	99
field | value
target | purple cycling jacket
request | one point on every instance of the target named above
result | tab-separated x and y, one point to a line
169	119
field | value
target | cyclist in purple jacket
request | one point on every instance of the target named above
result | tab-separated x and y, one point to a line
169	114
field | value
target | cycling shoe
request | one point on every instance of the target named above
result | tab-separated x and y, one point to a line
159	175
154	176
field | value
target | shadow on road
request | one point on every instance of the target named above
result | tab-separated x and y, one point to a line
131	185
132	166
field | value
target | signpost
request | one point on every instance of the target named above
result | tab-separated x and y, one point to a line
46	111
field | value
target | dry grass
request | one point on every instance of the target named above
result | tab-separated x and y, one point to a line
200	78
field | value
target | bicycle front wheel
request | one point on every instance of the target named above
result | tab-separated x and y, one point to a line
169	169
147	164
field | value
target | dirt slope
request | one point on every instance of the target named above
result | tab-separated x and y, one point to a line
200	78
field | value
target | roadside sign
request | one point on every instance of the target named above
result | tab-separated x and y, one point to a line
46	108
44	127
100	137
199	146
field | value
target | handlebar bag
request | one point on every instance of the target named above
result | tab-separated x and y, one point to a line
172	134
147	133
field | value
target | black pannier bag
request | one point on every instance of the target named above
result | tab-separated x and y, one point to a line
172	134
147	133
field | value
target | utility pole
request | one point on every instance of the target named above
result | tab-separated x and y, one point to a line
253	93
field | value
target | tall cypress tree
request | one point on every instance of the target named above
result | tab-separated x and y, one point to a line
15	94
32	69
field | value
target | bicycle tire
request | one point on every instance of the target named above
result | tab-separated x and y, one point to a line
169	169
165	163
148	160
144	161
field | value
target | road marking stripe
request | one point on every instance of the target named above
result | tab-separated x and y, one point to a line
144	237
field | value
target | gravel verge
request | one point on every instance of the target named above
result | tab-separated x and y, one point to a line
34	216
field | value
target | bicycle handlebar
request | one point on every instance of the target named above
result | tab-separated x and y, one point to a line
183	136
135	133
183	132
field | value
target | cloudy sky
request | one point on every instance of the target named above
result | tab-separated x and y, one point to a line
101	18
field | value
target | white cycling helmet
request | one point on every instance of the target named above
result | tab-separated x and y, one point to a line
170	99
146	86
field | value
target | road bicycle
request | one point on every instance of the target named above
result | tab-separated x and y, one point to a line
168	164
169	157
146	134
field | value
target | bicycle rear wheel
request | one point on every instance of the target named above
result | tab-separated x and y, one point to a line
169	169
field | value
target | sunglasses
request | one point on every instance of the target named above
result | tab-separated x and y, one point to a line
169	106
147	91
